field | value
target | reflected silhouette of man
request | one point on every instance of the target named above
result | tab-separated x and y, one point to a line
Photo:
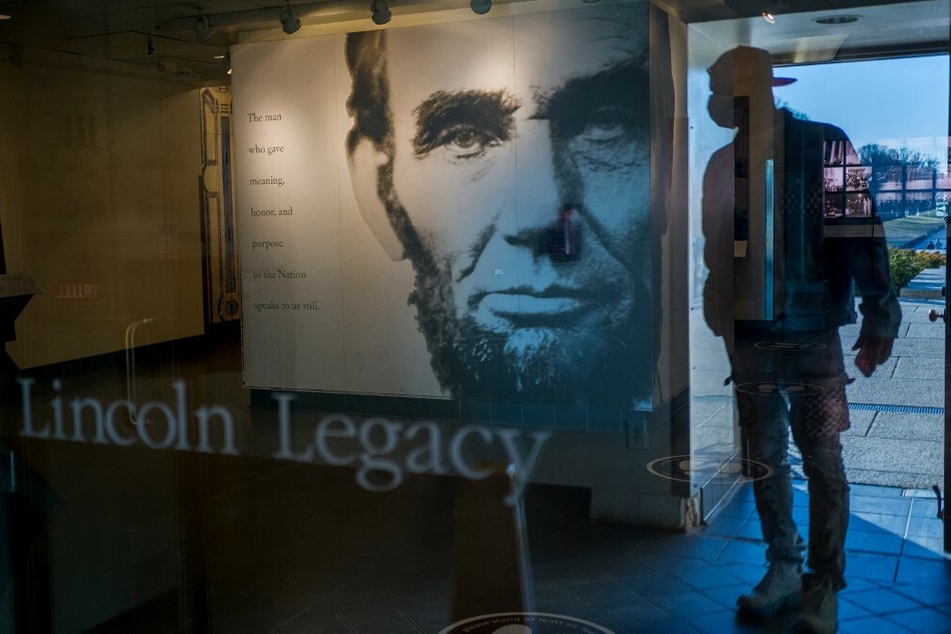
785	351
509	162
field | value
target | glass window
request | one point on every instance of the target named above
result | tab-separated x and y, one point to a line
559	318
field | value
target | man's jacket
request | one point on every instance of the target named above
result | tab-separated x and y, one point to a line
829	241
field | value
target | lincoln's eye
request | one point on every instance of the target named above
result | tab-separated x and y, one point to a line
464	125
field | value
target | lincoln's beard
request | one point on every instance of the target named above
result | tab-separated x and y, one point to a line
605	360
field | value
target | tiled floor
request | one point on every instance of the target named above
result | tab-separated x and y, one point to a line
627	579
631	580
325	557
899	581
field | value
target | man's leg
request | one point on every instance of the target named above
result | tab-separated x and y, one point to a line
764	420
767	434
828	511
817	420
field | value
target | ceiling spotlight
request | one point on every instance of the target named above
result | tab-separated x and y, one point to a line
289	21
380	12
480	6
775	8
202	30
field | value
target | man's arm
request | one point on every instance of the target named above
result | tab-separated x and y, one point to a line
860	255
881	311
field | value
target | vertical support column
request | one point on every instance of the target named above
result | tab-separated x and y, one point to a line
493	573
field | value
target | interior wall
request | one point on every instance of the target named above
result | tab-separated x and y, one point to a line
99	205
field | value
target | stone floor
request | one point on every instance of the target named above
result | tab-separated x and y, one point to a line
897	414
898	579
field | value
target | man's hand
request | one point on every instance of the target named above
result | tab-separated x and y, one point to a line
873	351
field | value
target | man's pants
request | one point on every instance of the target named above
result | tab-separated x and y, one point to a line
796	380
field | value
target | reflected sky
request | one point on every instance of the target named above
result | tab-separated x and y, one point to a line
896	102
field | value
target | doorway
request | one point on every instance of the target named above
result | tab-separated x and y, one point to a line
846	70
901	155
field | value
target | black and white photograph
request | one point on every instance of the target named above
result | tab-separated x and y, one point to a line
834	205
503	169
857	178
918	202
919	177
888	177
858	205
851	154
889	205
834	179
834	154
478	142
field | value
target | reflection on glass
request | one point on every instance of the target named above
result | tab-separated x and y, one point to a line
157	492
787	359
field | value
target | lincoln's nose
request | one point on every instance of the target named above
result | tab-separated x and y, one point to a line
548	218
561	240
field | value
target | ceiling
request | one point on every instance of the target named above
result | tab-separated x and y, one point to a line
156	36
906	28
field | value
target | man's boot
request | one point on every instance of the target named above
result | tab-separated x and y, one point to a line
779	590
820	606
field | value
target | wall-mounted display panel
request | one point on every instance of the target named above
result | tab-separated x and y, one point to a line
453	210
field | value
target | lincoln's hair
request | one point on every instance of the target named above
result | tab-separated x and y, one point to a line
369	105
369	102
